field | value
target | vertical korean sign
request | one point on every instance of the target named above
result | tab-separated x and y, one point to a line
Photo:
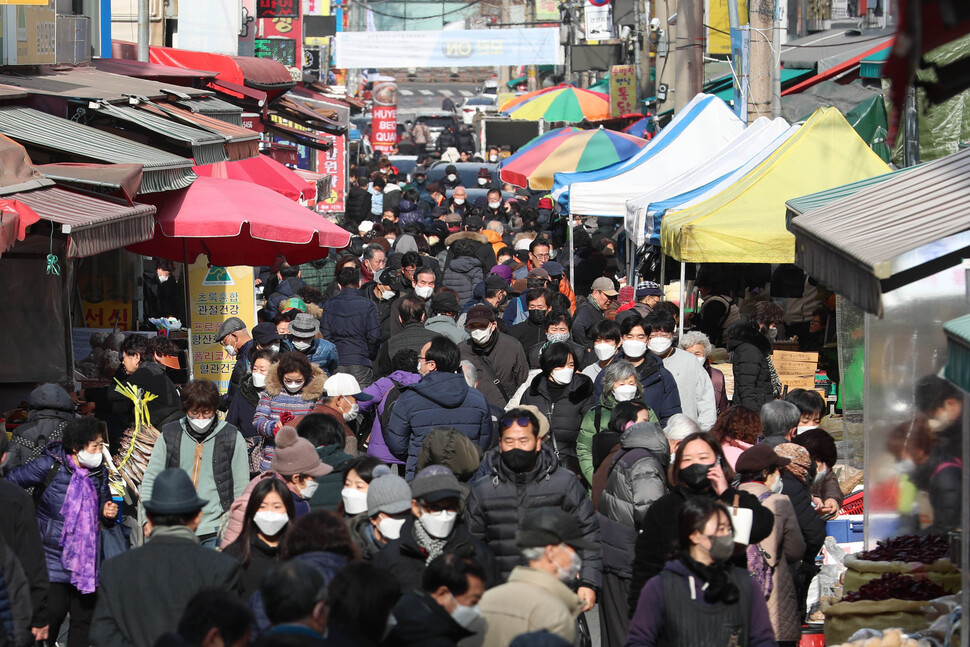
215	294
334	163
383	129
623	91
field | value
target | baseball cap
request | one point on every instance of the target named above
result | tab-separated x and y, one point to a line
605	285
474	221
229	326
649	288
540	273
445	301
480	314
545	203
453	218
265	333
550	526
496	282
365	226
759	457
553	268
434	483
293	303
345	384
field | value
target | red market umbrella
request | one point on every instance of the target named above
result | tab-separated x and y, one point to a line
264	171
236	223
15	217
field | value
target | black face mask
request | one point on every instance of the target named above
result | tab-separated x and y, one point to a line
695	476
554	284
538	317
519	460
535	283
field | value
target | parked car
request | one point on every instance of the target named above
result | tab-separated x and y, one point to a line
437	122
489	86
467	172
483	103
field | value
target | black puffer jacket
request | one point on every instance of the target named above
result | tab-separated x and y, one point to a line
50	411
563	407
462	274
407	560
749	357
501	499
812	525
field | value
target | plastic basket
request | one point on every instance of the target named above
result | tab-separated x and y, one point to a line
853	504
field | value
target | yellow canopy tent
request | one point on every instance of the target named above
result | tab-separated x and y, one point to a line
745	223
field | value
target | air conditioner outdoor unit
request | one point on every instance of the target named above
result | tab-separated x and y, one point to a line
72	36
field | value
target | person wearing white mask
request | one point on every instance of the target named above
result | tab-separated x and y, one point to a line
563	396
697	344
267	520
388	507
243	406
236	342
211	451
693	383
435	527
606	342
499	358
659	389
442	608
358	474
341	395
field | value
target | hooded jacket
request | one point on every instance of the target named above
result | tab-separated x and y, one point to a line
660	392
286	289
422	622
462	274
501	499
455	451
438	400
483	249
638	478
274	401
243	408
351	324
320	353
500	358
50	411
749	358
408	212
495	239
446	326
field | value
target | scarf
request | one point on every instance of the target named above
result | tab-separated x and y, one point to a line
366	274
592	301
718	587
426	542
79	539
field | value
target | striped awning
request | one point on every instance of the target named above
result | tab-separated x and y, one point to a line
213	107
205	147
69	141
93	225
241	143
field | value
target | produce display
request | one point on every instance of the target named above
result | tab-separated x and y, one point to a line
909	548
895	586
889	638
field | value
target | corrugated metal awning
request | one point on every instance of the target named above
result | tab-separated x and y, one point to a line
295	136
71	141
206	147
216	108
93	84
910	225
241	143
93	225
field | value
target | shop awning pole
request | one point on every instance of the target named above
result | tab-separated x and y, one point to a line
188	307
572	256
683	297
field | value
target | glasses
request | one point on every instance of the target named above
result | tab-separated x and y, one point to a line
542	257
522	422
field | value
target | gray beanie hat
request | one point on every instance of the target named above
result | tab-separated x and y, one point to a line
387	493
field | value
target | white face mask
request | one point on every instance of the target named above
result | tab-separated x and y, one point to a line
459	201
309	489
659	345
89	460
200	424
465	616
624	392
259	380
274	347
563	376
162	278
481	337
452	177
293	387
494	205
352	414
800	429
355	501
270	523
633	348
424	291
387	295
482	181
604	351
702	360
493	158
569	574
777	485
390	528
438	524
301	345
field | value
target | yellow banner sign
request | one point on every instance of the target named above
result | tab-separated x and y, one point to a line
719	25
39	3
623	90
215	294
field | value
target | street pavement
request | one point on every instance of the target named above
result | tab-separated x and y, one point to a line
418	97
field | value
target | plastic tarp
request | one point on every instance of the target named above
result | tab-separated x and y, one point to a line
643	224
702	128
745	223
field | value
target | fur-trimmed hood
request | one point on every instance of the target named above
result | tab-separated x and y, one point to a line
314	310
466	235
311	392
746	332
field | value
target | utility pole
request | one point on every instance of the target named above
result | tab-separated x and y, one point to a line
144	30
503	70
665	60
776	67
530	19
690	46
761	20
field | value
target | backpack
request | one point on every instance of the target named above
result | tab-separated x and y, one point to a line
759	569
389	400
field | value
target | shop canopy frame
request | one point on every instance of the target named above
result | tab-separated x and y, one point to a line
886	234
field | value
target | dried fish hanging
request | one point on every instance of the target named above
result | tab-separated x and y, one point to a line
137	442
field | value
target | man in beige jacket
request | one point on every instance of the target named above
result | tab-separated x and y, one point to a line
538	596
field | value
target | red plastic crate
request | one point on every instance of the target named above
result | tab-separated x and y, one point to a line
853	504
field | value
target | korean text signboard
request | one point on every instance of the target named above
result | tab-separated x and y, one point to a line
215	294
334	163
277	8
623	90
383	129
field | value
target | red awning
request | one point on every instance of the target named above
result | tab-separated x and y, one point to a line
838	70
237	223
260	73
15	217
142	70
264	171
